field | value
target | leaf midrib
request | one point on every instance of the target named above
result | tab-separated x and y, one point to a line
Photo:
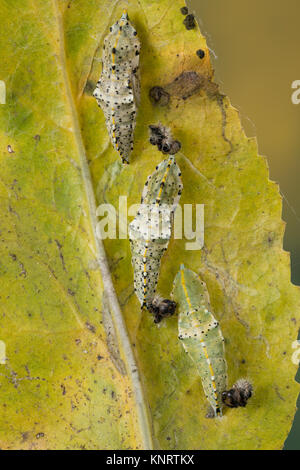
110	293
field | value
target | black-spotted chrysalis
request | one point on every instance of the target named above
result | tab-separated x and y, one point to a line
201	335
117	91
150	233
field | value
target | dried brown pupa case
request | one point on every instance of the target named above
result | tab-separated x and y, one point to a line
161	137
238	395
161	308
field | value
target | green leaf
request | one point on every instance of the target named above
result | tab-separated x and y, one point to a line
69	380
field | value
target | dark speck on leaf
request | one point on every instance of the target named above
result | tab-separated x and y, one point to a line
184	10
90	327
25	436
201	53
189	22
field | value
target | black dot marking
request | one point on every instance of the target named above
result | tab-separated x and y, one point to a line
200	53
189	22
184	10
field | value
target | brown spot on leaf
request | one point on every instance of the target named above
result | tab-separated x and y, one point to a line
25	436
90	327
159	96
183	87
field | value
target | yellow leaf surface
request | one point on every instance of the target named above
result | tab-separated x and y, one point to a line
70	379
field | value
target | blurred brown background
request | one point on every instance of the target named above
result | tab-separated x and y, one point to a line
257	46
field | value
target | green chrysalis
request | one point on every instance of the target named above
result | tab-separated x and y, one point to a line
117	91
150	231
201	335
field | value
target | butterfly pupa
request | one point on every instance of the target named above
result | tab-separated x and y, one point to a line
150	233
117	91
201	335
